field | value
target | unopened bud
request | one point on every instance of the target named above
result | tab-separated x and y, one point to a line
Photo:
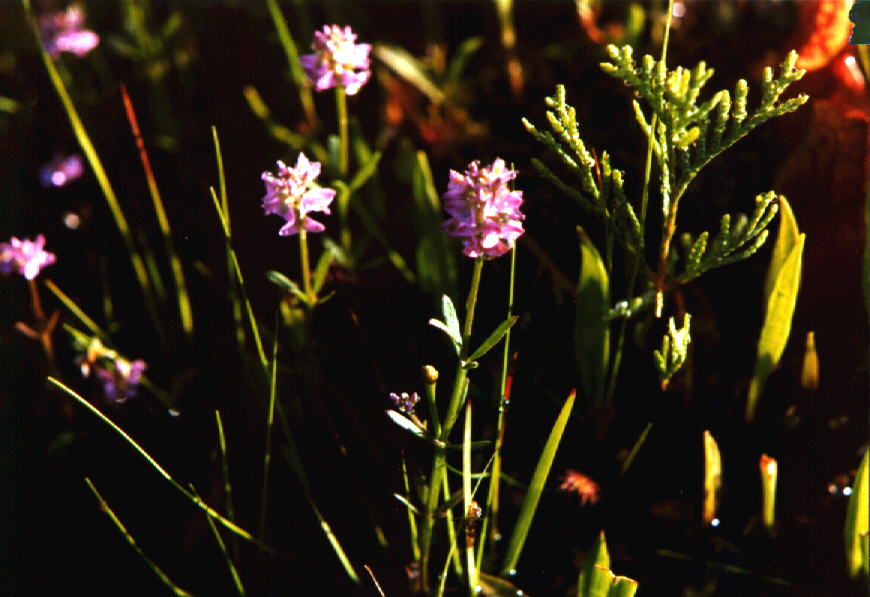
430	374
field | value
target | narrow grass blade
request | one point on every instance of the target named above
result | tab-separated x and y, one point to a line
176	590
75	310
184	309
768	468
196	500
225	466
234	260
290	50
536	487
591	327
374	580
451	528
443	578
96	164
412	521
777	323
270	420
365	172
231	567
324	525
434	257
227	226
857	524
493	586
635	449
712	477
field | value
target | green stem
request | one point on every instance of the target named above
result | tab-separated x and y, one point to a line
644	200
303	262
439	459
341	108
489	528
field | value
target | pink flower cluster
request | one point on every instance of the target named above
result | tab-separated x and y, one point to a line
484	211
27	257
62	32
289	195
337	60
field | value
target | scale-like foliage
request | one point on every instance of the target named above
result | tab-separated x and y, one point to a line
736	240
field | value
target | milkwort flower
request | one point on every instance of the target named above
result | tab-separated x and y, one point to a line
484	211
337	60
62	32
61	170
27	257
405	402
121	380
289	196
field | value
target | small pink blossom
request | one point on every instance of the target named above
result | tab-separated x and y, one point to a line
61	170
337	60
27	257
62	32
289	195
484	211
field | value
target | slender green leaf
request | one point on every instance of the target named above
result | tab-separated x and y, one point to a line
857	524
460	59
365	172
536	487
287	284
411	507
409	68
493	338
494	586
591	326
635	449
777	323
322	269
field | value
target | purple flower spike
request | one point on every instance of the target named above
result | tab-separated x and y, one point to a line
62	32
27	257
61	170
484	211
337	60
121	383
288	195
404	402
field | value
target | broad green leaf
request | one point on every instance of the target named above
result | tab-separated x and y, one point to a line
454	338
590	573
777	323
365	172
857	524
450	318
786	239
622	587
536	487
493	338
409	68
591	326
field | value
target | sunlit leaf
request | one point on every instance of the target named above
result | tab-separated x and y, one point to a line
786	239
590	573
712	476
407	424
454	338
450	318
857	524
591	326
777	323
769	469
287	284
536	487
